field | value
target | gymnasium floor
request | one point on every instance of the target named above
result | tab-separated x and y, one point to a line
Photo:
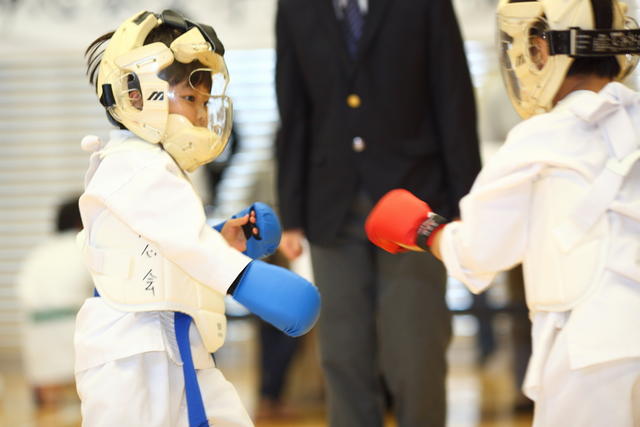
477	397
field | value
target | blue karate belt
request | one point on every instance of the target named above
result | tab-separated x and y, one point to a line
195	405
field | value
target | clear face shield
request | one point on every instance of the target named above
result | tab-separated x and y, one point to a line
535	56
208	80
203	101
521	51
195	90
200	113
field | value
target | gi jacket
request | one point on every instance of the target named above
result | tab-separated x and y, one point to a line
146	190
526	191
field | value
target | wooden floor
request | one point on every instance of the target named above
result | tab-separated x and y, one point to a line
476	397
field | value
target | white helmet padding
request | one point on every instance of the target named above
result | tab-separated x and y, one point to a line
134	87
568	28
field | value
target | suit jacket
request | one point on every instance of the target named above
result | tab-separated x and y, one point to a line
399	114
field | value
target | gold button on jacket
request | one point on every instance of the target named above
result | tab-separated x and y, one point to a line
353	101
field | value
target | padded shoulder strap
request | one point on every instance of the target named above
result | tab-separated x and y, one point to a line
622	139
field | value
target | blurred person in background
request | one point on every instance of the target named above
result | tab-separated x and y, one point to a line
52	285
214	170
373	95
276	354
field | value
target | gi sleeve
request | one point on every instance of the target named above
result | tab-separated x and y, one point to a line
161	205
492	234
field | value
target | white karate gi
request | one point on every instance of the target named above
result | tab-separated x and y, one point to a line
585	366
128	367
51	286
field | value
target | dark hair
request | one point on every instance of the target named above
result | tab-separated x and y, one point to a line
94	54
68	215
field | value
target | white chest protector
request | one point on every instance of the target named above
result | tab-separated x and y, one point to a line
599	240
132	275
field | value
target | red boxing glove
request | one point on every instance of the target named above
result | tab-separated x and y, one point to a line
400	221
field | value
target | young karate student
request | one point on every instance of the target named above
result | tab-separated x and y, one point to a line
560	197
156	265
51	286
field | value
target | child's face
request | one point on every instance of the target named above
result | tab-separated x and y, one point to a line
190	103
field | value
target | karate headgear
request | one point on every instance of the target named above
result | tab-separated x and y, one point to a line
568	28
134	94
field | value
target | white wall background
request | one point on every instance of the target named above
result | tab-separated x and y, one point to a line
45	25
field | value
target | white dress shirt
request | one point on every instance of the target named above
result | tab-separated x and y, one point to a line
341	4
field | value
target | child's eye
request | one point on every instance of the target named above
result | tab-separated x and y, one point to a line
189	98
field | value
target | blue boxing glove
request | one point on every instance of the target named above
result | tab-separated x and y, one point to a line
278	296
269	230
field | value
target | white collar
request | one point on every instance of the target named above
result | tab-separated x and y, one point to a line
340	4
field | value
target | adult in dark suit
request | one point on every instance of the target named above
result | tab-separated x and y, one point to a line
373	96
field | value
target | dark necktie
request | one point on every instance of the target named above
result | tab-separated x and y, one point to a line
354	21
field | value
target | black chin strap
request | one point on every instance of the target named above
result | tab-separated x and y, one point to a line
577	42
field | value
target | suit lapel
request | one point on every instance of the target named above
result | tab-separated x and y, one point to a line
333	30
372	23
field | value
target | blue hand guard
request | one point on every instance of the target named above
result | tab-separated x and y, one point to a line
279	296
269	230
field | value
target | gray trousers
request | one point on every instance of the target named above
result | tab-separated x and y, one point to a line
383	319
